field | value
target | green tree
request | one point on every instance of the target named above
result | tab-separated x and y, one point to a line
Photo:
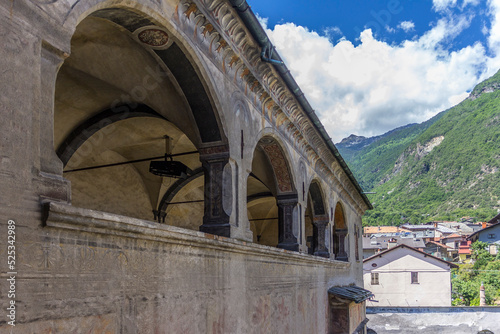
467	279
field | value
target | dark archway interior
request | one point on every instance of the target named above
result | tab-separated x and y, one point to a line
316	220
115	101
339	234
270	178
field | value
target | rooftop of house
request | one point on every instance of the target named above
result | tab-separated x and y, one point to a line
452	236
493	223
384	242
382	229
397	248
461	228
495	220
418	227
438	244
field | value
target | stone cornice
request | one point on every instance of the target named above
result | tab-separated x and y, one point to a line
216	26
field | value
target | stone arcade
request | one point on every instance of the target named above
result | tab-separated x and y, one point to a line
266	219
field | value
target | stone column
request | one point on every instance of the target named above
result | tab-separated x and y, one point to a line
286	204
319	229
482	295
340	253
215	219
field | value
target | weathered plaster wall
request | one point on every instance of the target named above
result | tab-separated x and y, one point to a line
433	320
109	273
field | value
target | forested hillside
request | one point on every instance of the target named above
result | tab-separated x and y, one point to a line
445	168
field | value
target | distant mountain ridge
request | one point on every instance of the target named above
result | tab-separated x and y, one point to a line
358	142
446	167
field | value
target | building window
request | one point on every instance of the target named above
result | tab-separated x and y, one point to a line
374	278
491	236
414	277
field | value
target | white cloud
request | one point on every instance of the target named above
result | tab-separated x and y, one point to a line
442	5
407	26
333	31
374	87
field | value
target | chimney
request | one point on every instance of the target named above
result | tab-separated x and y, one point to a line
482	296
392	243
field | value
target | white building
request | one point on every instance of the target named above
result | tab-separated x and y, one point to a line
405	276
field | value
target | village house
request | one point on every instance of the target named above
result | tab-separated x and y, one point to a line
464	251
405	276
441	250
490	233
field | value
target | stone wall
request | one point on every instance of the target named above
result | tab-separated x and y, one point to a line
95	272
439	320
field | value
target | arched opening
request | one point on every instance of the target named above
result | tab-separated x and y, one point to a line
316	222
271	197
125	87
339	234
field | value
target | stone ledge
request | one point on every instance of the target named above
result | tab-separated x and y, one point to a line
65	216
431	309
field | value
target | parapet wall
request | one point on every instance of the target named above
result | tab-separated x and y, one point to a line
429	320
89	271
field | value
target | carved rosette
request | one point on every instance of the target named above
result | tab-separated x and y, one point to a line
154	37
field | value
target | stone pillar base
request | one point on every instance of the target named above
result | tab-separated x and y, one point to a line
223	230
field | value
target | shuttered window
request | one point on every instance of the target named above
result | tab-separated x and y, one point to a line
414	277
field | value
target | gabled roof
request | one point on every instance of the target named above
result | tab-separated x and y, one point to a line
382	242
382	229
418	227
438	244
452	265
454	235
495	221
444	229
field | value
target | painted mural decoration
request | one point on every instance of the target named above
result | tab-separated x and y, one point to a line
278	162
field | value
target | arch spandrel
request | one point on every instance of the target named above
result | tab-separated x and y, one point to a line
339	218
279	163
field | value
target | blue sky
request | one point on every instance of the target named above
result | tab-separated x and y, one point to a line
369	66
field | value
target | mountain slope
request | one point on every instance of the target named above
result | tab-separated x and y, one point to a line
445	168
371	159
